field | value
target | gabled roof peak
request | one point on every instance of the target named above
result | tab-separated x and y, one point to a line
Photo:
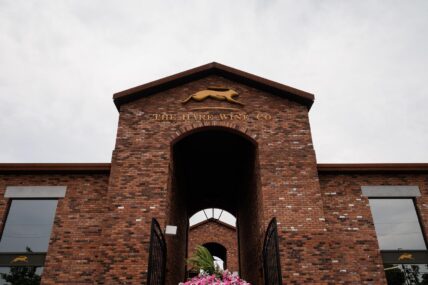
212	220
213	68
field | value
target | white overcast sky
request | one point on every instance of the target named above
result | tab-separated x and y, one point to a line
365	61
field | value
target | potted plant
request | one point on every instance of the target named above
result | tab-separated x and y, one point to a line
208	272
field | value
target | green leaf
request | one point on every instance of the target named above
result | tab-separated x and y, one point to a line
202	260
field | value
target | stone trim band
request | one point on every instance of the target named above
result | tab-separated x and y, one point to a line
391	191
35	191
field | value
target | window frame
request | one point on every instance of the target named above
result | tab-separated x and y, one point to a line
390	256
34	259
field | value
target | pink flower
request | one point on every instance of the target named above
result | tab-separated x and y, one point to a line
226	278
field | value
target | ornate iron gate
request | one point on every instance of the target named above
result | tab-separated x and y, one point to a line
157	256
271	259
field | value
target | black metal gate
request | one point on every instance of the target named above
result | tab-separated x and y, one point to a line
271	259
157	256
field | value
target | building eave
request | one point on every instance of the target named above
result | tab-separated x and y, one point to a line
213	68
26	168
325	168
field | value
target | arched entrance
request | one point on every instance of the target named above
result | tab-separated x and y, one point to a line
215	226
217	250
215	168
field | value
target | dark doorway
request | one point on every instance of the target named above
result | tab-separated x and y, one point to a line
218	250
215	168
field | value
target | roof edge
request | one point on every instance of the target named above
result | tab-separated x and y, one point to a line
105	167
54	168
212	220
177	79
372	167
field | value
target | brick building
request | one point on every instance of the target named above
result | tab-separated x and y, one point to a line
214	137
219	238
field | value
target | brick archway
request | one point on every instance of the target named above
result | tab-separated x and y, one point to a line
215	231
188	130
215	166
217	250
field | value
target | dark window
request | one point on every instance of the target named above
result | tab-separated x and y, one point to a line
401	240
28	226
403	274
397	224
25	240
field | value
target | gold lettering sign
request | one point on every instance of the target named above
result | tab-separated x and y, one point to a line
194	116
217	93
21	258
406	256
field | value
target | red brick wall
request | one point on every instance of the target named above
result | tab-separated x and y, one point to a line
102	229
288	178
354	256
212	231
73	254
176	243
250	232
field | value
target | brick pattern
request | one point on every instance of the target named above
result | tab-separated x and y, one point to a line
354	254
212	231
176	244
141	172
73	254
102	227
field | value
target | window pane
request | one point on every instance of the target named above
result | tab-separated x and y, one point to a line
28	224
219	214
20	275
402	274
397	225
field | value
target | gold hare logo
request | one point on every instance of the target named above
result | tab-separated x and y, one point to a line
21	258
406	256
217	93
